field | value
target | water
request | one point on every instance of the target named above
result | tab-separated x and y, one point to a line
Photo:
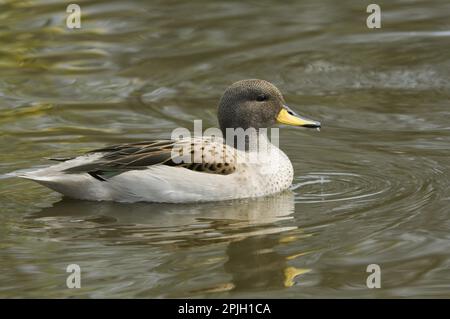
372	187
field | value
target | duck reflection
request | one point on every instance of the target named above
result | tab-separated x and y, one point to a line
250	229
252	217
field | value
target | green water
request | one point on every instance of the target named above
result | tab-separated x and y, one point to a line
371	188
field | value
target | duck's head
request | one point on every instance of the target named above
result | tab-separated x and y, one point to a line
257	104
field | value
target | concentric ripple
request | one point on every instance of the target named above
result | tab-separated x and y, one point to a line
334	186
393	184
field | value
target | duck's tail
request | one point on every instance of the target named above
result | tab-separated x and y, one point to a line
73	185
55	176
41	176
37	176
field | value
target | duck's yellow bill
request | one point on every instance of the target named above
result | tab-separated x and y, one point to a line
289	117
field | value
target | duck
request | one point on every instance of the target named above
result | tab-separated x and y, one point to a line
239	161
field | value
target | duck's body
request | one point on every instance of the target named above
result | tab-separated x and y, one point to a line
271	173
188	169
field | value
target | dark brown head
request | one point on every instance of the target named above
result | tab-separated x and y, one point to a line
257	104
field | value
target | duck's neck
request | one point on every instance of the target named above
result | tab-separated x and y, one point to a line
250	140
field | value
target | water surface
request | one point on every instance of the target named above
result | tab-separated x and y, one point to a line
371	187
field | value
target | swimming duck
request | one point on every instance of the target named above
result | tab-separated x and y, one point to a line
189	169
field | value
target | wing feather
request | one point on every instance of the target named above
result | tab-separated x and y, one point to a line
198	154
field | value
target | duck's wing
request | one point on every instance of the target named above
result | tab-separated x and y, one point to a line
205	155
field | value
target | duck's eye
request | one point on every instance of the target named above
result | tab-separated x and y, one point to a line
262	97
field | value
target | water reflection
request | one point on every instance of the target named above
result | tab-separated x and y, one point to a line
247	230
254	265
151	223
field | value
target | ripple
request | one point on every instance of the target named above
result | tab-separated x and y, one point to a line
332	187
